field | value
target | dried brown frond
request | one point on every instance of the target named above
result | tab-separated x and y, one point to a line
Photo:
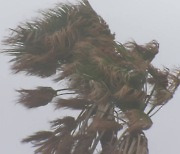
38	137
58	141
165	89
147	52
51	144
106	77
124	91
67	70
159	77
84	117
61	141
45	142
36	97
41	65
152	49
109	149
111	72
128	95
64	125
108	139
98	91
100	124
136	78
161	96
82	46
133	143
74	103
76	81
83	143
65	146
132	56
174	80
63	40
138	120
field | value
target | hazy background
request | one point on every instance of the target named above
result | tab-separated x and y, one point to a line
139	20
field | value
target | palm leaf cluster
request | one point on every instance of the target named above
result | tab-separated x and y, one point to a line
114	86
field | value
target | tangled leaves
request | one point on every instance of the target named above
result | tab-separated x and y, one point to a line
114	86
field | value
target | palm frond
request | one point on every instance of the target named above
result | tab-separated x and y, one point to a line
147	52
138	120
133	144
55	33
83	144
128	98
65	124
40	96
159	77
39	136
112	84
58	141
166	83
99	124
74	103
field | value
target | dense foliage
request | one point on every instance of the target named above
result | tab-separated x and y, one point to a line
114	86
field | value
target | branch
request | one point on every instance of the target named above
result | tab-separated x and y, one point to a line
66	94
147	101
156	111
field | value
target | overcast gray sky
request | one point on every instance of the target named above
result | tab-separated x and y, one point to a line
139	20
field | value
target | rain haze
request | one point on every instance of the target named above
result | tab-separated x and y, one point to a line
139	20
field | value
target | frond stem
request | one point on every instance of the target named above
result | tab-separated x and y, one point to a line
96	142
66	94
149	97
156	111
86	119
113	116
63	89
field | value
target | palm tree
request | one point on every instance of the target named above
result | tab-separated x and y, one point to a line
114	86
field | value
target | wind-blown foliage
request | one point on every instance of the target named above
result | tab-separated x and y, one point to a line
114	85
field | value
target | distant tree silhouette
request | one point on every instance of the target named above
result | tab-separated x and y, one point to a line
114	86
